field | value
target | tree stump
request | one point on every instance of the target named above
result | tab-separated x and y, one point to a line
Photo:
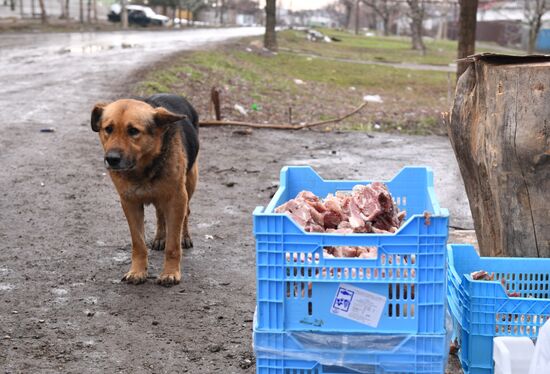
500	131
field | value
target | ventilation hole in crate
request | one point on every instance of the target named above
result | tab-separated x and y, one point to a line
397	289
310	308
368	273
405	310
390	310
405	274
413	259
309	272
390	273
309	290
287	289
375	274
390	291
398	273
397	310
303	289
398	200
288	272
398	260
317	258
360	273
513	277
331	272
412	292
383	259
404	200
405	292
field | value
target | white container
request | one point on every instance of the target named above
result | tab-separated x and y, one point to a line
541	358
512	355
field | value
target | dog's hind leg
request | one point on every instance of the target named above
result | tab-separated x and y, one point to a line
135	216
160	237
190	185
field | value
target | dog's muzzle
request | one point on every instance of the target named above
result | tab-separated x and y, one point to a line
115	161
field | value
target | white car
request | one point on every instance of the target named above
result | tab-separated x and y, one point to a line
139	15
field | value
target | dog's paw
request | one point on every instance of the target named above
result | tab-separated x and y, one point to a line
186	242
135	277
169	279
158	244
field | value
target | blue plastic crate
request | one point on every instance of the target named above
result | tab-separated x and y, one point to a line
297	286
315	353
483	309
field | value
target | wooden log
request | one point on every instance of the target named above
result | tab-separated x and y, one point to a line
500	131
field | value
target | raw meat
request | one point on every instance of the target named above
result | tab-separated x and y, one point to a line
368	209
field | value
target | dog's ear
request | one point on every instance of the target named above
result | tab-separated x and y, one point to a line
164	117
96	115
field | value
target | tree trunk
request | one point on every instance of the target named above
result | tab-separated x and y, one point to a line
417	17
222	9
12	5
20	7
33	8
356	17
123	14
43	15
270	37
467	21
67	13
94	10
81	10
89	11
500	131
386	25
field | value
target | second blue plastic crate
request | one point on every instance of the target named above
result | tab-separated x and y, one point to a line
483	310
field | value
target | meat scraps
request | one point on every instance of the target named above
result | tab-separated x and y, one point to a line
368	209
482	275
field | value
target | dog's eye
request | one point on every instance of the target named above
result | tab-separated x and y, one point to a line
132	131
109	129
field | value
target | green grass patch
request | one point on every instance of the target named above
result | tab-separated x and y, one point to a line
412	98
392	49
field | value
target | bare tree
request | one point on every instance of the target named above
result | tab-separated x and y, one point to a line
89	11
466	33
416	14
356	26
385	9
94	10
534	10
43	15
67	14
270	37
81	10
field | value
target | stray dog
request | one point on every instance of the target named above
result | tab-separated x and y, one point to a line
151	149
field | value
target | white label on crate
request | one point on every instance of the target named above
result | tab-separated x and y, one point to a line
358	305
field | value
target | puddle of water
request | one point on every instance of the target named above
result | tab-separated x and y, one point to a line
59	291
95	48
346	159
6	287
121	257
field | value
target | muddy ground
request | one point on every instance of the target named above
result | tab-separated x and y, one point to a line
64	242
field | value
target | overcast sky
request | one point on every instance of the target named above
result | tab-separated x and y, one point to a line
300	4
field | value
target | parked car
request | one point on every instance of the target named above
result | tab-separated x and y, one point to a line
138	15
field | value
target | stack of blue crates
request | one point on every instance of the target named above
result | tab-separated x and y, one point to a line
396	300
482	310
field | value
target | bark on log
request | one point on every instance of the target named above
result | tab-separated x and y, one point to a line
500	131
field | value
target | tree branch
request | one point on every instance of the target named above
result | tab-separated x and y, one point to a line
281	126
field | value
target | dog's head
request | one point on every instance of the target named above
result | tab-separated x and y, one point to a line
130	132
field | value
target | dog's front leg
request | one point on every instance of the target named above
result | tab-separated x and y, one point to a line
174	211
138	269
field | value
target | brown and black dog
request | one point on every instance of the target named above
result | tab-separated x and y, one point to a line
151	148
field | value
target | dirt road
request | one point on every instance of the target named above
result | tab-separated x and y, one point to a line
64	242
